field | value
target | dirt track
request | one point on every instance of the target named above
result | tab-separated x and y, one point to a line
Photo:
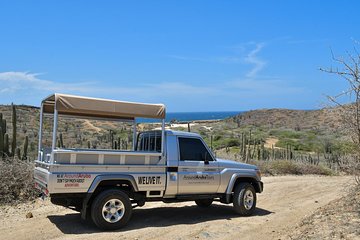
285	201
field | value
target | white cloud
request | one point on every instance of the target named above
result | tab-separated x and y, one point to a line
30	88
243	53
252	58
12	82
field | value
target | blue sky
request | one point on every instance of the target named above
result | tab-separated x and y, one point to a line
190	55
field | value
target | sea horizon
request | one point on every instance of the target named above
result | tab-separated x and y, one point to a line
195	116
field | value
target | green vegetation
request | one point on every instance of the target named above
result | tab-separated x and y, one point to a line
281	167
4	138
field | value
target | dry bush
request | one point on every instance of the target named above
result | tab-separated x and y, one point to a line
16	181
280	167
348	101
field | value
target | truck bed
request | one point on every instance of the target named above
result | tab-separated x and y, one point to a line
73	170
106	157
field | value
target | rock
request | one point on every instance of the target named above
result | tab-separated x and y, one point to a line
29	215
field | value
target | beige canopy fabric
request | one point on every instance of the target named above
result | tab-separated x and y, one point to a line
101	108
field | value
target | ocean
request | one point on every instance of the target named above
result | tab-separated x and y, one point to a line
193	116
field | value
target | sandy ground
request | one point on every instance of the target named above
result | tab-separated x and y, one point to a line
285	201
271	142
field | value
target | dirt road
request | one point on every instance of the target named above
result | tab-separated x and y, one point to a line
285	201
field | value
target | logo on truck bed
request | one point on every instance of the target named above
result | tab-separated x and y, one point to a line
151	180
72	180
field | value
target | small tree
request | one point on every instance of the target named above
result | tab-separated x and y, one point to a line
348	101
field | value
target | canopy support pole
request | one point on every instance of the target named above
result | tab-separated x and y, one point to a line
163	137
40	132
134	136
54	129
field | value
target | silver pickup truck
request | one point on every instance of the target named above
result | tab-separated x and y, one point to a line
163	165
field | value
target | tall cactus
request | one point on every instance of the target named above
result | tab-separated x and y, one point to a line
61	142
13	144
17	153
25	148
6	144
3	149
2	133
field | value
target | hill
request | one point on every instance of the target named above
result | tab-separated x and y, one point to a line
324	119
304	129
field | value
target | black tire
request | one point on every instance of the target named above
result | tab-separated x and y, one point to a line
241	199
204	202
111	199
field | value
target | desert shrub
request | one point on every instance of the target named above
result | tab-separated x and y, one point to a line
232	142
286	134
16	181
217	137
281	167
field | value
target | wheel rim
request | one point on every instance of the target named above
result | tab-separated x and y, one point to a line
248	199
113	210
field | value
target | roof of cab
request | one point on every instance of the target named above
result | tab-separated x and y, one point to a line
181	133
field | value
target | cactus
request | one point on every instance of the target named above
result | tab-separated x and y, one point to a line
6	143
17	153
13	116
61	142
111	138
25	149
2	133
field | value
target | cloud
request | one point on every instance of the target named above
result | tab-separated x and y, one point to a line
243	54
12	82
252	58
31	88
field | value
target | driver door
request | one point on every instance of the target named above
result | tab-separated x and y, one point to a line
198	170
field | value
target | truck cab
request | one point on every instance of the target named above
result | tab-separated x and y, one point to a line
163	165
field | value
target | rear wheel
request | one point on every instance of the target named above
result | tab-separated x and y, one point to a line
244	199
111	210
204	202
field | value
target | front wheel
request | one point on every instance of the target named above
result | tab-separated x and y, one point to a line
244	199
111	210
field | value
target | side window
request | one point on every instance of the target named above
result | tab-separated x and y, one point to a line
193	149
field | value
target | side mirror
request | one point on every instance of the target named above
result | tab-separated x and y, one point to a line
206	160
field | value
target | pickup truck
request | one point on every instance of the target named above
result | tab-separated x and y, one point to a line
163	165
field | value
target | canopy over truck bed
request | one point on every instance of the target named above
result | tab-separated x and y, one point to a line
101	108
87	107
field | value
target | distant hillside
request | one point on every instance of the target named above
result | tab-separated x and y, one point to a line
324	119
27	125
75	132
82	133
